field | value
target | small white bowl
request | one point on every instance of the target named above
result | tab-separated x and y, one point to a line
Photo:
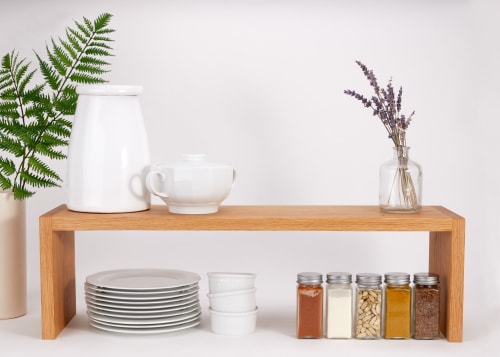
233	301
233	324
223	282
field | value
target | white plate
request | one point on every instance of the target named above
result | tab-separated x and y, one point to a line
182	290
164	321
139	327
140	297
144	330
121	304
151	308
142	314
142	279
147	311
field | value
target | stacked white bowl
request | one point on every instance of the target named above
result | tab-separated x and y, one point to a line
233	308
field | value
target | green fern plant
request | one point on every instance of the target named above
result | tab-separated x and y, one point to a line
34	124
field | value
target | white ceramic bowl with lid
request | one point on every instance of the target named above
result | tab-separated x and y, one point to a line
192	185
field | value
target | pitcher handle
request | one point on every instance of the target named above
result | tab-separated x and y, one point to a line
150	183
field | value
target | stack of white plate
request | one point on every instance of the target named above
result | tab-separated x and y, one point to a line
141	301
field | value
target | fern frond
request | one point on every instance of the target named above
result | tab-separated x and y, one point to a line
73	52
21	193
49	74
23	82
61	54
88	24
15	76
42	168
8	109
7	166
77	39
37	112
12	146
52	141
33	126
20	70
96	51
105	31
102	21
49	152
100	44
83	78
5	183
61	128
93	61
34	93
85	32
9	94
86	68
103	38
37	180
65	105
4	81
56	63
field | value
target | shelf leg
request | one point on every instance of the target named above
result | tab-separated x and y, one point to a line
57	278
446	257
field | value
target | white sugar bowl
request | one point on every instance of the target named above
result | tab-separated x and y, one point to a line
192	185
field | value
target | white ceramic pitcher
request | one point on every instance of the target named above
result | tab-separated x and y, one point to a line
108	155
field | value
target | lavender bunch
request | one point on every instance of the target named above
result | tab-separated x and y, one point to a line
386	105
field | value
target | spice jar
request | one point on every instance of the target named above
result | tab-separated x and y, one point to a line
368	317
397	306
339	305
309	305
426	306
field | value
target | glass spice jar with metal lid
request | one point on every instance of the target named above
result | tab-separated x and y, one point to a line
309	305
339	305
368	315
426	306
397	311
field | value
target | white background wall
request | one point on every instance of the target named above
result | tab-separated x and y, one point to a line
259	84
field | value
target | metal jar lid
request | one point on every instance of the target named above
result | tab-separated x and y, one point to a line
310	278
368	279
426	278
339	278
397	278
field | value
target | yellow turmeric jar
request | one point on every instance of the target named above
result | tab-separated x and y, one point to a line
398	294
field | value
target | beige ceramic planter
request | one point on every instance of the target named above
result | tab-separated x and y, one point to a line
12	256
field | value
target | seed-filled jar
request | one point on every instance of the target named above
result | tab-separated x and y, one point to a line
368	317
309	305
339	305
426	306
397	305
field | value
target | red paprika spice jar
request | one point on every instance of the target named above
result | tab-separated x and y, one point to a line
309	305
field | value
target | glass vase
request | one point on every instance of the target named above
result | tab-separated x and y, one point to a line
400	189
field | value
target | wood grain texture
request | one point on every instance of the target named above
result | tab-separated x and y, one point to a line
260	218
57	253
57	278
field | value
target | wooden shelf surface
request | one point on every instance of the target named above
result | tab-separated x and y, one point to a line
57	244
259	218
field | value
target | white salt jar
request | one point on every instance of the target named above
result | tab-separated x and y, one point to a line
339	302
